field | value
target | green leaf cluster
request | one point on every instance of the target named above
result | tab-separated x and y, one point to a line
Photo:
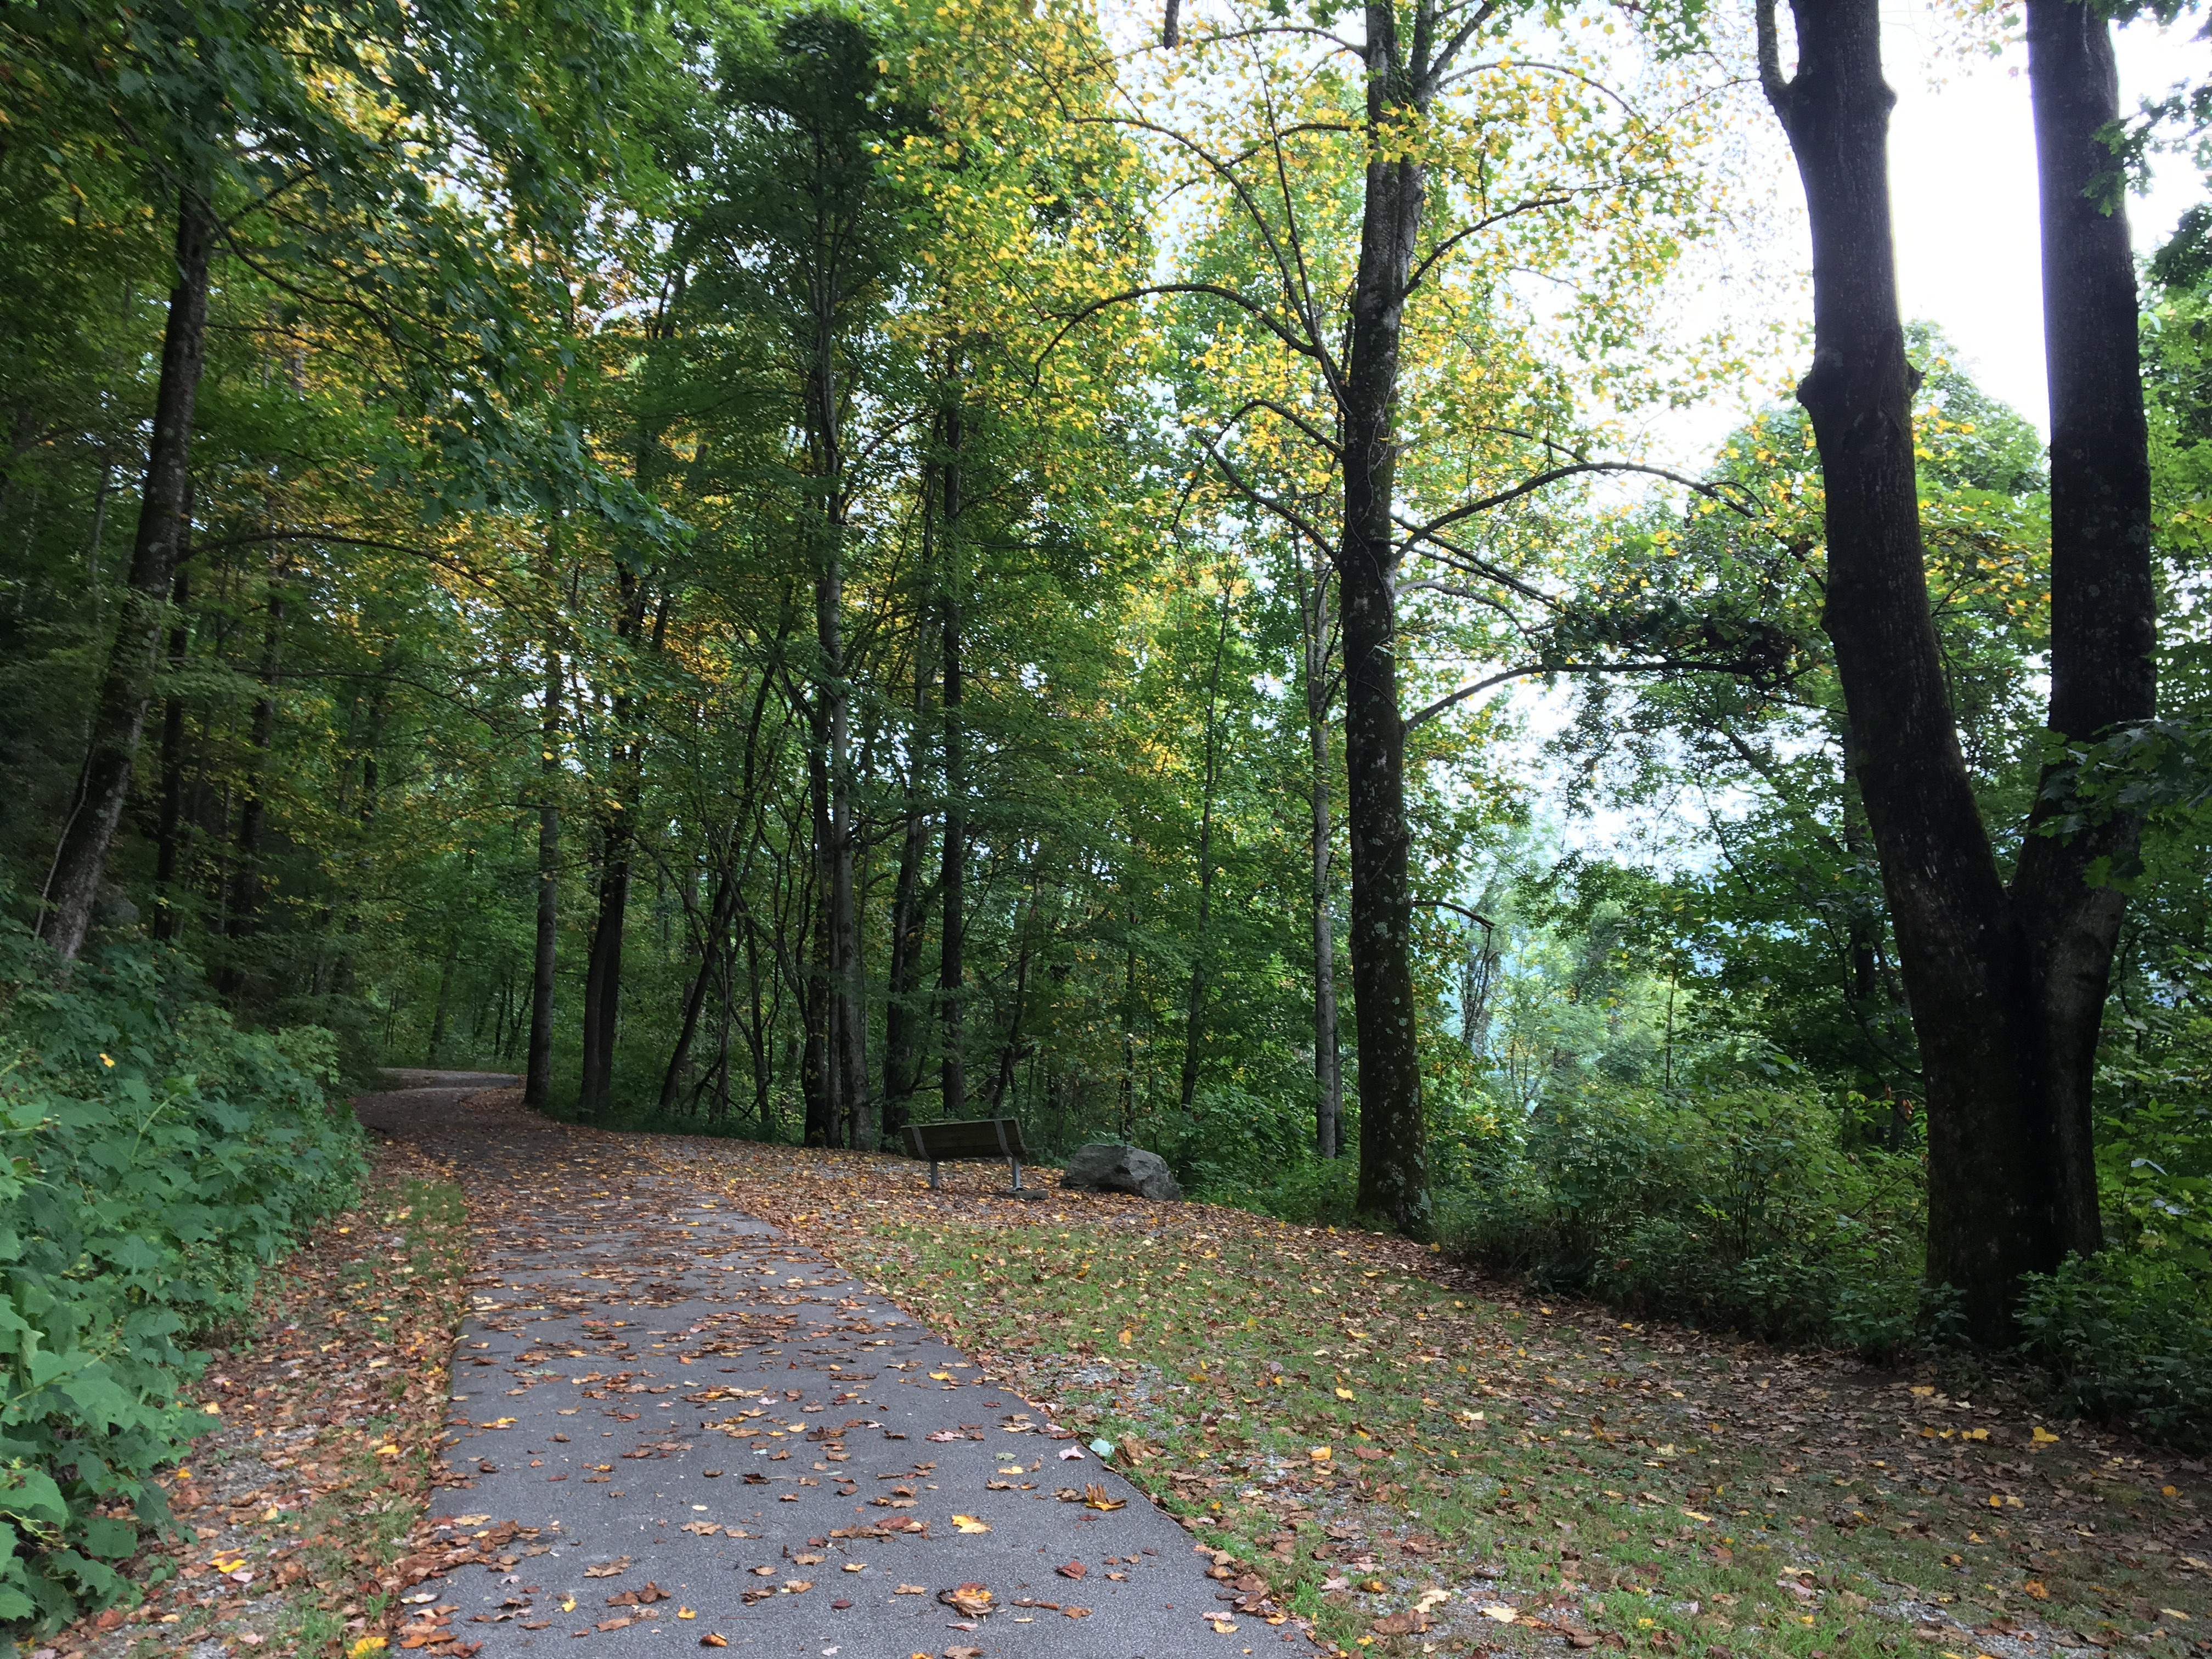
157	1158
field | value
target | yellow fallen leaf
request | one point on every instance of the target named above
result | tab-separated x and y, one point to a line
387	1449
1503	1615
969	1523
1344	1394
1694	1516
1319	1453
685	1613
940	1376
2042	1436
2174	1613
1128	1337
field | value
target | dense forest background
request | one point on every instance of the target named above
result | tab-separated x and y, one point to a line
785	570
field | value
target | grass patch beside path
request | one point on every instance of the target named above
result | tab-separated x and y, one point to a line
326	1414
1421	1466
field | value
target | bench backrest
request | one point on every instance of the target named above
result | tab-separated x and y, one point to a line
982	1137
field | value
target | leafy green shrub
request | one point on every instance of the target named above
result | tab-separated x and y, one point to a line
2127	1334
1741	1206
155	1158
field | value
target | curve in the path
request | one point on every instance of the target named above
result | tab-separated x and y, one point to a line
680	1424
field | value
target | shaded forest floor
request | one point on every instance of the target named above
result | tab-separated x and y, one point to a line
1413	1460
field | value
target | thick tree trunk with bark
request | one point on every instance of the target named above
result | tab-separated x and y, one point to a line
134	660
1393	1154
2104	606
2006	988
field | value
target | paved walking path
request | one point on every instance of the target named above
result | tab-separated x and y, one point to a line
682	1426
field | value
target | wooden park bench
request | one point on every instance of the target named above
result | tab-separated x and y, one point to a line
982	1137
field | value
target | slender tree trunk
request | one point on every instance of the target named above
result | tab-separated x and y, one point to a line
819	1005
168	915
2103	602
1194	1019
952	885
2005	988
1393	1181
903	1017
718	925
120	714
445	1001
1328	1061
603	969
538	1082
246	881
1010	1051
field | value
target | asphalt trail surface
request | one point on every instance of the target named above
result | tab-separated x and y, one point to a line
668	1408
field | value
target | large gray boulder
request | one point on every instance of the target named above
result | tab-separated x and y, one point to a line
1103	1167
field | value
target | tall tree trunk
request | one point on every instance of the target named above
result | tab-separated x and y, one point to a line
1010	1050
1194	1019
445	1001
2103	602
1393	1181
2006	989
120	715
1328	1059
538	1079
818	1005
718	925
168	915
952	884
246	882
902	1019
603	967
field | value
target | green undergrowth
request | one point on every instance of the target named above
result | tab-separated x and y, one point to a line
157	1159
1287	1391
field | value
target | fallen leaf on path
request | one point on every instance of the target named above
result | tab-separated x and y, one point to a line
969	1523
711	1640
614	1569
1071	1570
1503	1615
971	1599
1098	1498
1411	1623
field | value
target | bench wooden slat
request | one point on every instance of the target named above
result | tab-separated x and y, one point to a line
985	1137
968	1137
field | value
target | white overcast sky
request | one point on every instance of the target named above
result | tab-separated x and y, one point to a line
1962	175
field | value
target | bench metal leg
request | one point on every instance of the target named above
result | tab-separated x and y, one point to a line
934	1184
1016	1162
